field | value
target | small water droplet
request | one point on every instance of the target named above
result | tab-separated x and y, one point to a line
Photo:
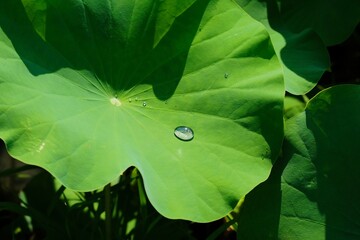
116	102
166	102
136	98
184	133
226	75
41	147
130	100
144	104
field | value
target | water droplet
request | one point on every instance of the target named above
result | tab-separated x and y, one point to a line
226	75
41	147
166	102
130	100
116	102
136	98
184	133
144	104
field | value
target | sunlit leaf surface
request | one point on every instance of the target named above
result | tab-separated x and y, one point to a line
89	88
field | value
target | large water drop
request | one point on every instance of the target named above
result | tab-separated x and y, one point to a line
184	133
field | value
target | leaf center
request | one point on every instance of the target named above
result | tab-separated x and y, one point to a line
116	102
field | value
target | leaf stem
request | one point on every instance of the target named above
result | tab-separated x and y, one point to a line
305	98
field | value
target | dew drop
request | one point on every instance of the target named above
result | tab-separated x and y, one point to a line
136	98
41	147
116	102
226	75
129	100
144	104
184	133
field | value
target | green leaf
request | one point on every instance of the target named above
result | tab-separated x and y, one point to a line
333	21
292	107
302	53
260	213
313	191
168	11
303	56
87	93
321	181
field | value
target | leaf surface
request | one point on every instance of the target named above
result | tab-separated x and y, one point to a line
312	192
90	88
334	24
302	53
320	183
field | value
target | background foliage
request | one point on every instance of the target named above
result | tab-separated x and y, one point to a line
312	191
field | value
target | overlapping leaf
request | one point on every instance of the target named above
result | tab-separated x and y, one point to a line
320	184
301	51
333	21
89	88
316	196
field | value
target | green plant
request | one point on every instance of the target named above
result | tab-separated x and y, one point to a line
112	90
91	88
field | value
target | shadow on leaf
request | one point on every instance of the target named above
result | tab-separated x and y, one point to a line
117	47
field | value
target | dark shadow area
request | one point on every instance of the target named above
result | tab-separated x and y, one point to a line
171	53
14	176
303	48
345	62
338	175
202	231
80	37
260	213
38	56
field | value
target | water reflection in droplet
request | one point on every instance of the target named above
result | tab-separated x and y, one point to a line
144	104
184	133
